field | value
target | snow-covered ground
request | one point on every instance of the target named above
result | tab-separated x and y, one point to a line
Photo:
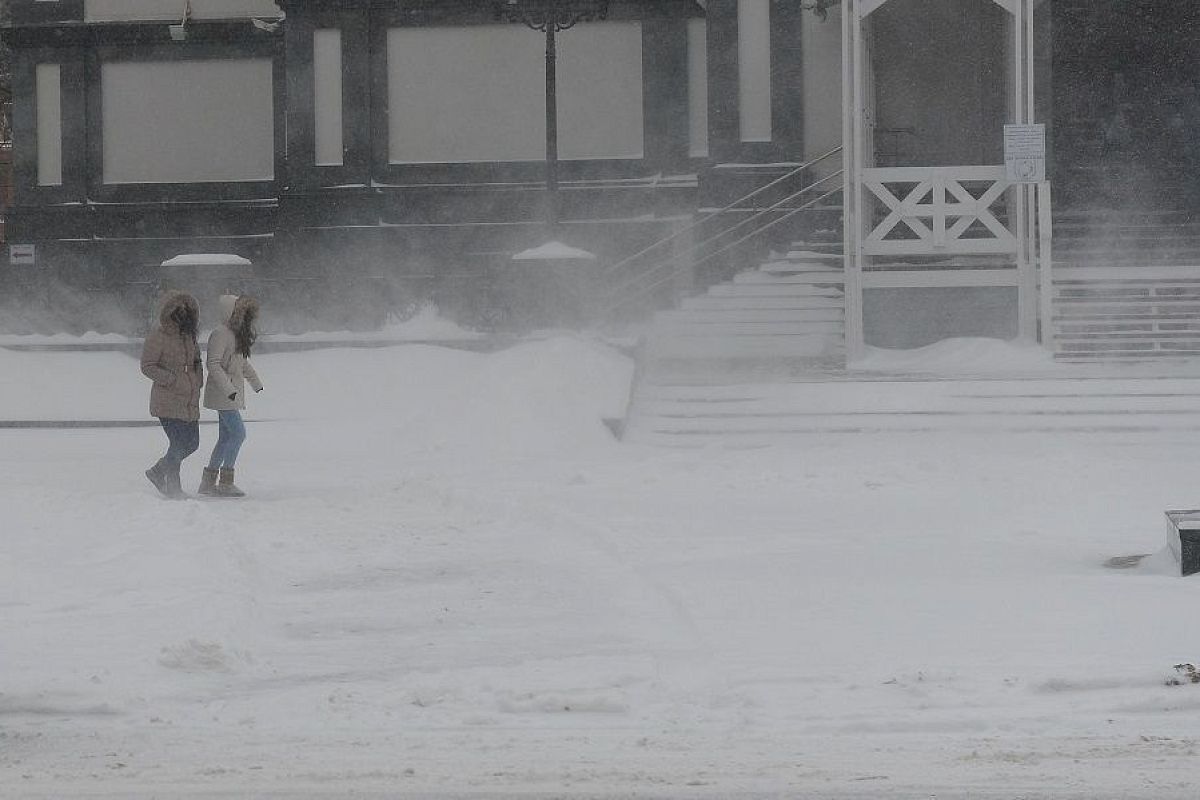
449	579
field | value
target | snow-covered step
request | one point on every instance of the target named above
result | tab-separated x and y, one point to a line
745	347
783	423
810	252
803	436
746	414
782	319
702	405
826	277
738	328
713	315
1112	313
816	300
773	289
782	269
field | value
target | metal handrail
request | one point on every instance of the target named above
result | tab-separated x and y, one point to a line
630	290
777	220
748	220
807	165
671	275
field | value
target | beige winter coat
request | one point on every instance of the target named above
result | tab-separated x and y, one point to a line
172	360
228	370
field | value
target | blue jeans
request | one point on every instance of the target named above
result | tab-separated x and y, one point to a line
184	439
229	439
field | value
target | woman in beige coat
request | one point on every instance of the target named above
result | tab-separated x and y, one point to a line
228	371
171	358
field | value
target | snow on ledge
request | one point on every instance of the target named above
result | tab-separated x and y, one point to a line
427	325
207	260
959	356
62	339
553	251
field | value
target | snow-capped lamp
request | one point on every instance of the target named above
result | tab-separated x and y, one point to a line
178	31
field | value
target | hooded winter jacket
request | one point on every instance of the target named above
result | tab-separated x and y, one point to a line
171	359
228	370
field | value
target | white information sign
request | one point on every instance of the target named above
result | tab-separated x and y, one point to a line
1025	153
21	254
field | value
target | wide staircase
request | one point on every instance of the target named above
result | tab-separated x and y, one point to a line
758	414
1126	286
760	357
787	314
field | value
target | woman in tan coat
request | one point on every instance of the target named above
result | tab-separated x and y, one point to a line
228	371
171	358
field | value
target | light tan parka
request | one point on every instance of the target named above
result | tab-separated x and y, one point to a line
228	370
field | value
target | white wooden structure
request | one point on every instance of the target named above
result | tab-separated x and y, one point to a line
939	212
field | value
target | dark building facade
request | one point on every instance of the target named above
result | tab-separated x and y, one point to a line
360	152
357	146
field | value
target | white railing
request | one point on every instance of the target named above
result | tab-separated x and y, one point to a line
938	214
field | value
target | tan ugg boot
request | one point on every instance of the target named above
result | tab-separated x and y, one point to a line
226	486
208	481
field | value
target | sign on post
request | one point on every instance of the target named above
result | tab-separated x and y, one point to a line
21	254
1025	153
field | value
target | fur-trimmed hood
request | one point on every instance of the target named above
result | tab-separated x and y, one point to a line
234	309
171	301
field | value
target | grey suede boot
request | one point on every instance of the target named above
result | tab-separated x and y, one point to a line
208	482
165	478
225	484
158	476
174	488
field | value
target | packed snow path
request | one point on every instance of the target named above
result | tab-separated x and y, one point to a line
450	579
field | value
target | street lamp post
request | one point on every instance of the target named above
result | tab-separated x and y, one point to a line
819	7
551	17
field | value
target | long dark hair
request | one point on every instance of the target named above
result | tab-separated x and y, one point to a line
246	333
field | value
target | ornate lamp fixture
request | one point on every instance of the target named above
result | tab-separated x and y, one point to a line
541	15
551	17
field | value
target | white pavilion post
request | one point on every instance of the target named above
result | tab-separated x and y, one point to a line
853	145
1045	252
1027	304
1044	216
1031	205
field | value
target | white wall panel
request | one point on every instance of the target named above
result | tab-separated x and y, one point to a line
698	87
48	108
188	121
115	10
600	91
471	94
464	94
754	69
822	49
327	96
